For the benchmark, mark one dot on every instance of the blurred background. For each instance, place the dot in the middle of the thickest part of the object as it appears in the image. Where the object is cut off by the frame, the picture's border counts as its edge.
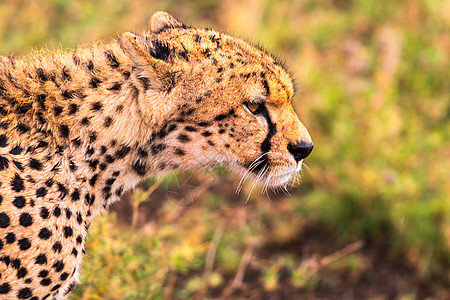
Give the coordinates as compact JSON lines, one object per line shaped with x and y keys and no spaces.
{"x":371,"y":217}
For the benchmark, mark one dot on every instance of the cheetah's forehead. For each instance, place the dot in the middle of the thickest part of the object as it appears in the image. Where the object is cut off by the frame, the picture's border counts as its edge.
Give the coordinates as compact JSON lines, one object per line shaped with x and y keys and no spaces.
{"x":226,"y":50}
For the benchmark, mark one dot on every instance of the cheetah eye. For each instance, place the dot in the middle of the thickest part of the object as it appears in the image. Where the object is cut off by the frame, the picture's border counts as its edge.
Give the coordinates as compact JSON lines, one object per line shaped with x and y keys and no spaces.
{"x":254,"y":108}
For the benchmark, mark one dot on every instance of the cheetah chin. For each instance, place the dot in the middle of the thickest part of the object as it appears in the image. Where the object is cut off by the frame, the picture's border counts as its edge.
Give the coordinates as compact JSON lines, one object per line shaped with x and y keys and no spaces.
{"x":79,"y":128}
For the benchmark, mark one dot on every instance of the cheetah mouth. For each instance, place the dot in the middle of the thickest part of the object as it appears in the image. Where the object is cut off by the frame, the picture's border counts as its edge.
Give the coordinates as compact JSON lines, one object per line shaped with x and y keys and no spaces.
{"x":270,"y":175}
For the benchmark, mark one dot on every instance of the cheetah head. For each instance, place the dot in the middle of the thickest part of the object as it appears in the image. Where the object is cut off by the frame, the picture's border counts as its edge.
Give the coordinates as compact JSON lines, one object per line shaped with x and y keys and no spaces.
{"x":219,"y":100}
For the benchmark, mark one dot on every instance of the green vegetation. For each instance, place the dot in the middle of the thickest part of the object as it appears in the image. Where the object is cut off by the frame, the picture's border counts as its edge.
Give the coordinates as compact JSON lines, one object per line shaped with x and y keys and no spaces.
{"x":371,"y":217}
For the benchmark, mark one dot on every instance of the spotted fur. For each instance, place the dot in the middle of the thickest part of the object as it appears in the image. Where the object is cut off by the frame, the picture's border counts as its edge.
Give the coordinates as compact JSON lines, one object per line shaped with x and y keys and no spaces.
{"x":78,"y":129}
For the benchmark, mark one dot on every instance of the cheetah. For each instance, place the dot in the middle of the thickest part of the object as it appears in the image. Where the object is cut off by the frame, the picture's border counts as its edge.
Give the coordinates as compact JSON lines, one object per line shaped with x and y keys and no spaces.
{"x":78,"y":128}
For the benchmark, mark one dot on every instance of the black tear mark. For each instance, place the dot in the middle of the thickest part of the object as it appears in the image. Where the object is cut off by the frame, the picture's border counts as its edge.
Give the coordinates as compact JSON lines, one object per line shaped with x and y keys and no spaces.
{"x":265,"y":145}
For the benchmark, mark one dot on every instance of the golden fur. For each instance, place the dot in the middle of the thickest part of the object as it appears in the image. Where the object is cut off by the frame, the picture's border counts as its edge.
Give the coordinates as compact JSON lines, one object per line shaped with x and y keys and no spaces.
{"x":79,"y":128}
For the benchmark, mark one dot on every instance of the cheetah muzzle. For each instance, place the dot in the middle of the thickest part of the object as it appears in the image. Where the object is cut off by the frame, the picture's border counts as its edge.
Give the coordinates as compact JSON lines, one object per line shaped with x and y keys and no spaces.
{"x":79,"y":128}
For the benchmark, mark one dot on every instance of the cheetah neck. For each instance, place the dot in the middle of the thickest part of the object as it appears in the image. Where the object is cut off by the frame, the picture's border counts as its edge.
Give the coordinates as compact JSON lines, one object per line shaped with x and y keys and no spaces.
{"x":83,"y":107}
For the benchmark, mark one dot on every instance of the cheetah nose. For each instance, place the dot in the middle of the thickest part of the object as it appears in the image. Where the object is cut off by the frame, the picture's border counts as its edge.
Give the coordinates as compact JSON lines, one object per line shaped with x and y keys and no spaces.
{"x":300,"y":150}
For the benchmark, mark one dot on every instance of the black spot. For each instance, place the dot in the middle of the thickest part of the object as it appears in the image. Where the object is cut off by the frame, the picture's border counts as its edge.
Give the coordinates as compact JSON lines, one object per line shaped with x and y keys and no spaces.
{"x":88,"y":199}
{"x":157,"y":148}
{"x":24,"y":244}
{"x":122,"y":152}
{"x":116,"y":173}
{"x":22,"y":128}
{"x":41,"y":192}
{"x":35,"y":164}
{"x":109,"y":159}
{"x":24,"y":293}
{"x":68,"y":213}
{"x":57,"y":110}
{"x":221,"y":131}
{"x":6,"y":260}
{"x":211,"y":143}
{"x":74,"y":252}
{"x":68,"y":231}
{"x":119,"y":108}
{"x":89,"y":151}
{"x":206,"y":133}
{"x":49,"y":182}
{"x":102,"y":166}
{"x":72,"y":166}
{"x":41,"y":74}
{"x":3,"y":140}
{"x":171,"y":128}
{"x":44,"y":213}
{"x":94,"y":82}
{"x":112,"y":60}
{"x":73,"y":108}
{"x":24,"y":108}
{"x":142,"y":152}
{"x":17,"y":183}
{"x":15,"y":263}
{"x":22,"y":272}
{"x":110,"y":181}
{"x":145,"y":82}
{"x":41,"y":259}
{"x":179,"y":152}
{"x":4,"y":163}
{"x":66,"y":74}
{"x":116,"y":87}
{"x":57,"y":211}
{"x":19,"y":201}
{"x":55,"y":287}
{"x":25,"y":220}
{"x":159,"y":49}
{"x":220,"y":117}
{"x":57,"y":247}
{"x":75,"y":196}
{"x":5,"y":288}
{"x":43,"y":273}
{"x":10,"y":238}
{"x":64,"y":276}
{"x":79,"y":218}
{"x":139,"y":167}
{"x":58,"y":266}
{"x":93,"y":180}
{"x":18,"y":165}
{"x":45,"y":234}
{"x":184,"y":138}
{"x":108,"y":121}
{"x":126,"y":74}
{"x":85,"y":121}
{"x":119,"y":191}
{"x":45,"y":282}
{"x":265,"y":83}
{"x":62,"y":190}
{"x":64,"y":130}
{"x":79,"y":239}
{"x":190,"y":128}
{"x":90,"y":65}
{"x":68,"y":94}
{"x":203,"y":124}
{"x":96,"y":106}
{"x":41,"y":144}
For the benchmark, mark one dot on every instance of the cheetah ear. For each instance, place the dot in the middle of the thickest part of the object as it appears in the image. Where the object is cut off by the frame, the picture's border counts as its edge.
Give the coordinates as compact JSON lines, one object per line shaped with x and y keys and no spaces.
{"x":161,"y":21}
{"x":144,"y":50}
